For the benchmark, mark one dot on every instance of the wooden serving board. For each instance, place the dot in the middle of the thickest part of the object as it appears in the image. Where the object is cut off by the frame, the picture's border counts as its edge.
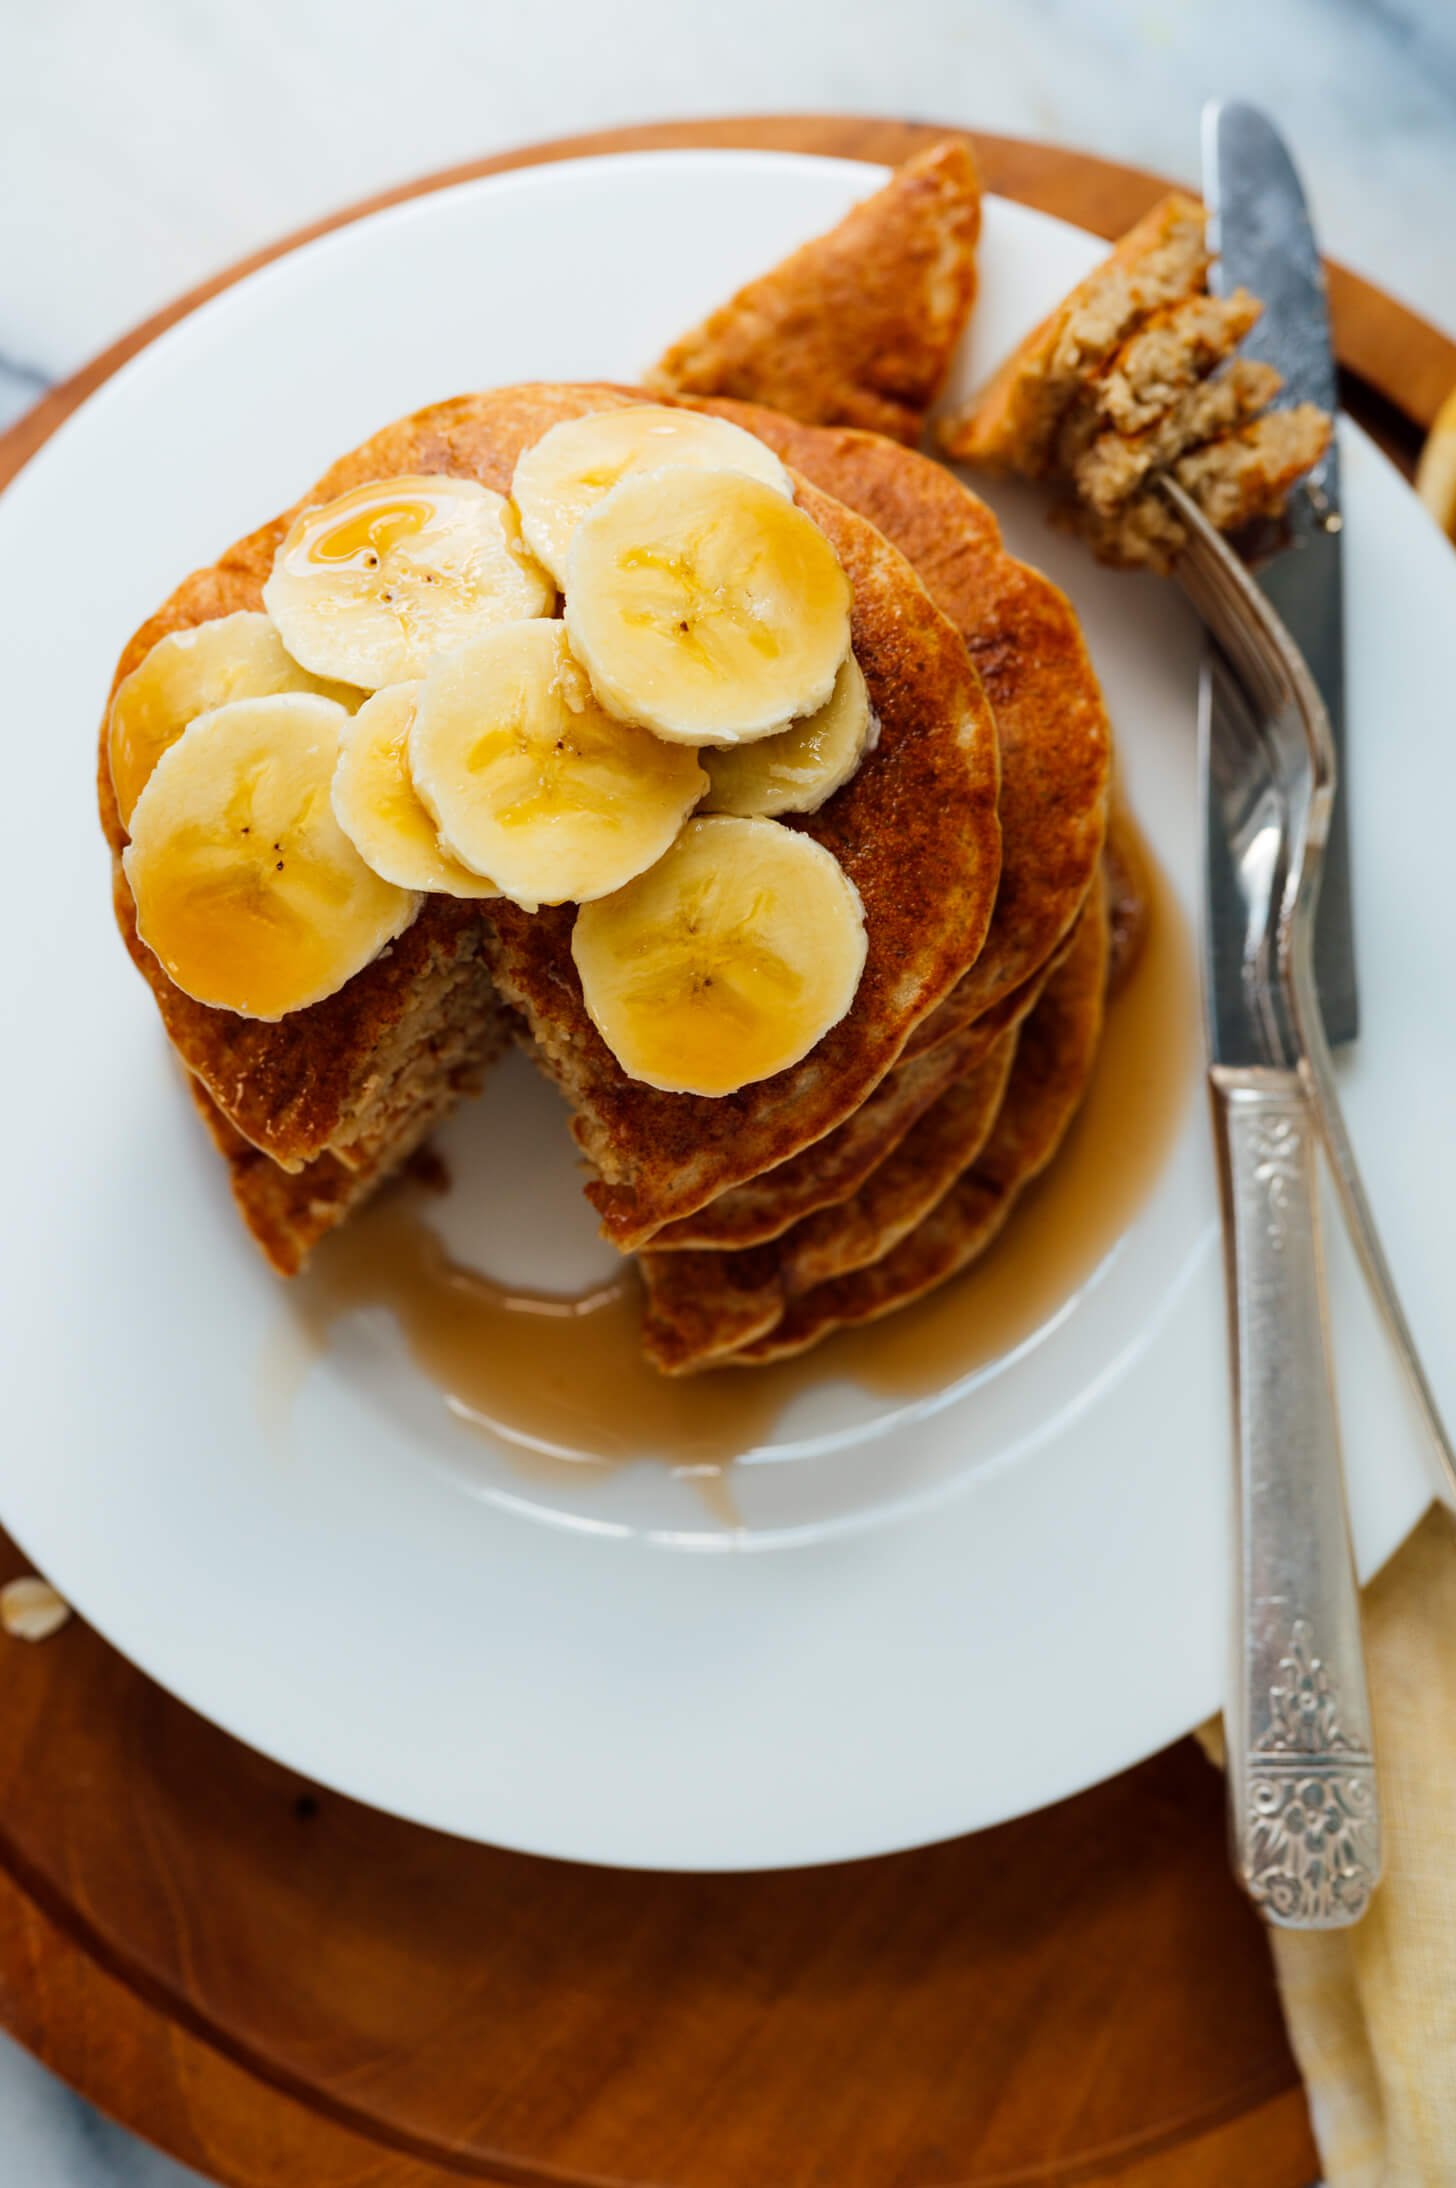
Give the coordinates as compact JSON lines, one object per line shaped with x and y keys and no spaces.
{"x":287,"y":1990}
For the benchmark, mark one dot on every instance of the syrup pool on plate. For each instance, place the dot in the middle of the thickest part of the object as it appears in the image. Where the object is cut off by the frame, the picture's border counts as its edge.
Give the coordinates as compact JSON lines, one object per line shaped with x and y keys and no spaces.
{"x":558,"y":1380}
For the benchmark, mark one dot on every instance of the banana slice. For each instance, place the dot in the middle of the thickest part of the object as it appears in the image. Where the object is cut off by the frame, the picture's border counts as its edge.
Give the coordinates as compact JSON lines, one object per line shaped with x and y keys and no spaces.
{"x":705,"y":606}
{"x":379,"y":809}
{"x":529,"y":781}
{"x":187,"y":673}
{"x":371,"y":586}
{"x":796,"y":771}
{"x":727,"y":961}
{"x":577,"y":462}
{"x":247,"y":890}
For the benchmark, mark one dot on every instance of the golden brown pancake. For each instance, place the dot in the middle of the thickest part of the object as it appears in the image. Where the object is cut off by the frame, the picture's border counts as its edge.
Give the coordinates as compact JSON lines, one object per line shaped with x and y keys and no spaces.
{"x":1055,"y":1054}
{"x":701,"y":1305}
{"x":860,"y":325}
{"x":837,"y":1165}
{"x":916,"y":829}
{"x":333,"y":1077}
{"x":1024,"y":638}
{"x":832,"y":1168}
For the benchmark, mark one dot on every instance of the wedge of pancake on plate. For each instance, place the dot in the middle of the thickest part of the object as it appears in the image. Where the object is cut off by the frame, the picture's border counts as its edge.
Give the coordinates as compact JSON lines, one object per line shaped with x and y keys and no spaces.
{"x":859,"y":326}
{"x":705,"y":741}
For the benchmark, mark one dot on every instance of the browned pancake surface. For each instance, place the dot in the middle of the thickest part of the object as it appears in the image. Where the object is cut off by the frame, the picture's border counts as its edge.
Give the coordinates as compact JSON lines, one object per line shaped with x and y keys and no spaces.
{"x":836,"y":1166}
{"x":1055,"y":1054}
{"x":699,"y":1305}
{"x":859,"y":326}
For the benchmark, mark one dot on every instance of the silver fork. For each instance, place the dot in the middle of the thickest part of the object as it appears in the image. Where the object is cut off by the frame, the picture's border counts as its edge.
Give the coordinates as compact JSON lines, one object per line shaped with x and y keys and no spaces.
{"x":1304,"y":1807}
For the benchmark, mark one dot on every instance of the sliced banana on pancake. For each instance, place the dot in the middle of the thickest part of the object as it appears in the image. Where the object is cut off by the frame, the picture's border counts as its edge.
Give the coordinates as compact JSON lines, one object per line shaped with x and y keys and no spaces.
{"x":379,"y":809}
{"x":370,"y":587}
{"x":803,"y":766}
{"x":530,"y":781}
{"x":188,"y":673}
{"x":570,"y":468}
{"x":727,"y":961}
{"x":247,"y":890}
{"x":706,"y":606}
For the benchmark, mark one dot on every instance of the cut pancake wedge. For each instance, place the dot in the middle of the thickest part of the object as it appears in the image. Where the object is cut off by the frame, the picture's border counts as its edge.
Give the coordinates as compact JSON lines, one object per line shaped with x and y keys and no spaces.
{"x":858,"y":326}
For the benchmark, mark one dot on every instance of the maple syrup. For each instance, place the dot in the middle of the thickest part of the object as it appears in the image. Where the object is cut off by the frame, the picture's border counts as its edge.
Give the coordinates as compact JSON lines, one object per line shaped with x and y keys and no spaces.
{"x":372,"y":530}
{"x":561,"y":1379}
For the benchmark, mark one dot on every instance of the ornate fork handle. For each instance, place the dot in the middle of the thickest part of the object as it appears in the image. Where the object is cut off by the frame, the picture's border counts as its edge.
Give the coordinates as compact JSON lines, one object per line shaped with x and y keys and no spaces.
{"x":1305,"y":1818}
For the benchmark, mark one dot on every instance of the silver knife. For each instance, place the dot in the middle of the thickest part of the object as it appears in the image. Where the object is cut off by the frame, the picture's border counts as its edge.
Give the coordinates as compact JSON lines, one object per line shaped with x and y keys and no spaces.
{"x":1263,"y":241}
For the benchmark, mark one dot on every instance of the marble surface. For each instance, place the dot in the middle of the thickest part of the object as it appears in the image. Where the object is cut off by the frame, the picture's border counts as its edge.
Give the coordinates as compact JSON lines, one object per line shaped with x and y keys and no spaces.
{"x":133,"y":165}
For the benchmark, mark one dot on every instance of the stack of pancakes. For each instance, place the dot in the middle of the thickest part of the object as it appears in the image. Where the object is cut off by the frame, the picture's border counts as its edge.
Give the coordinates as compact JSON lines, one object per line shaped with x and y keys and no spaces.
{"x":974,"y":830}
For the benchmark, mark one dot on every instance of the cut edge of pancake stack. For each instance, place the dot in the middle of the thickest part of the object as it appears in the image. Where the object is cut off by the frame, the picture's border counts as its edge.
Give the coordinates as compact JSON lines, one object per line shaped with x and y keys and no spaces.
{"x":971,"y":833}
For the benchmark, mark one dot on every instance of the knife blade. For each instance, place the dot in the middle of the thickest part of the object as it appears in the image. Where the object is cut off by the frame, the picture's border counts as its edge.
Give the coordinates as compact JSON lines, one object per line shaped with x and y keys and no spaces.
{"x":1263,"y":241}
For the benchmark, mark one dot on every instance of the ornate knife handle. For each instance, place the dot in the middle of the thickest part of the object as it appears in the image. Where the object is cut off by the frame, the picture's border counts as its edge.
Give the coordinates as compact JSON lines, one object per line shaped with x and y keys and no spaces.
{"x":1304,"y":1810}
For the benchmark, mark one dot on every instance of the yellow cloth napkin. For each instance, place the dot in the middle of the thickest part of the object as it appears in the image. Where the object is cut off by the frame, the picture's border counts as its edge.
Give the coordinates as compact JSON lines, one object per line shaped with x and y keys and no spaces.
{"x":1372,"y":2010}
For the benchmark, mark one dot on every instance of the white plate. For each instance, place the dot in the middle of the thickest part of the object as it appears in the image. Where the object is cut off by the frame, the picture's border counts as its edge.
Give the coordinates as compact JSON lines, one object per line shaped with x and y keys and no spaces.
{"x":936,"y":1617}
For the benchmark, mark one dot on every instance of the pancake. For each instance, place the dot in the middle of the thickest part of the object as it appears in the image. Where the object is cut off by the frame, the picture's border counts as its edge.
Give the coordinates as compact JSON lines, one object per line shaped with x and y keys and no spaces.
{"x":1055,"y":1054}
{"x":916,"y":829}
{"x":1243,"y":477}
{"x":331,"y":1078}
{"x":701,"y":1305}
{"x":287,"y":1212}
{"x":1171,"y":351}
{"x":1128,"y":378}
{"x":832,"y":1168}
{"x":1012,"y":423}
{"x":859,"y":326}
{"x":1024,"y":638}
{"x":1113,"y":466}
{"x":837,"y":1165}
{"x":339,"y":1076}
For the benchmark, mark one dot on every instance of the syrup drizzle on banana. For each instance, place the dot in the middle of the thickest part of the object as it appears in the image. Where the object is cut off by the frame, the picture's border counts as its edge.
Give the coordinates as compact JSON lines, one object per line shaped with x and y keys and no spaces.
{"x":412,"y":714}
